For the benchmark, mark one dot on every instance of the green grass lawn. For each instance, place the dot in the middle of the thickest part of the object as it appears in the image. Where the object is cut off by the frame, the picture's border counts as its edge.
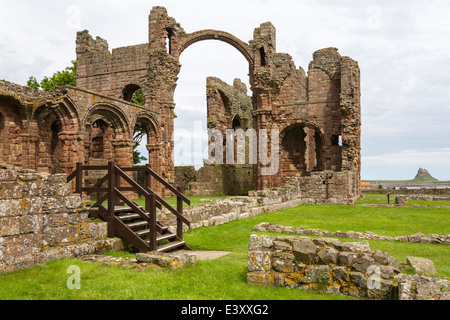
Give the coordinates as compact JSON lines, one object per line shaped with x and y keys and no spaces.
{"x":195,"y":200}
{"x":225,"y":278}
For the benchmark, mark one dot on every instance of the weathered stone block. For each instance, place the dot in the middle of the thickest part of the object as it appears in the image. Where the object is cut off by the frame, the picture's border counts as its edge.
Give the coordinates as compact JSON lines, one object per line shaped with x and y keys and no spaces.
{"x":10,"y":190}
{"x":422,"y":288}
{"x":258,"y":242}
{"x":10,"y":208}
{"x":259,"y":261}
{"x":304,"y":249}
{"x":421,"y":265}
{"x":328,"y":255}
{"x":262,"y":279}
{"x":363,"y":263}
{"x":346,"y":258}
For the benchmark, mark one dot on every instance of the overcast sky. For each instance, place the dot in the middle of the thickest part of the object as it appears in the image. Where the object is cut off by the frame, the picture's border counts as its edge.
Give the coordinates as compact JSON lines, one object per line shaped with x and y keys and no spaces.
{"x":403,"y":50}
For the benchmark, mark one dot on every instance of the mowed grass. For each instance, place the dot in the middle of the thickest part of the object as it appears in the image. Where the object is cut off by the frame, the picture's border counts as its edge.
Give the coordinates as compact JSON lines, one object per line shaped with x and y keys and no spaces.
{"x":225,"y":278}
{"x":195,"y":200}
{"x":382,"y":199}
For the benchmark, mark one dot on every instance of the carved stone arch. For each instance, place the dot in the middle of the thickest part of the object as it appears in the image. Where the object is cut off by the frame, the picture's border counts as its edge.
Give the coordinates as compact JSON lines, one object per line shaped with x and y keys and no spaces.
{"x":107,"y":135}
{"x":130,"y":89}
{"x":114,"y":115}
{"x":209,"y":34}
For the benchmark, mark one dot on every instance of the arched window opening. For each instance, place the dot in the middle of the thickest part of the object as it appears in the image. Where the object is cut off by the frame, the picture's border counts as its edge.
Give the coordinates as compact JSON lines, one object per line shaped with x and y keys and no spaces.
{"x":169,"y":40}
{"x":237,"y":124}
{"x":262,"y":56}
{"x":336,"y":140}
{"x":133,"y":93}
{"x":294,"y":150}
{"x":98,"y":134}
{"x":140,"y":135}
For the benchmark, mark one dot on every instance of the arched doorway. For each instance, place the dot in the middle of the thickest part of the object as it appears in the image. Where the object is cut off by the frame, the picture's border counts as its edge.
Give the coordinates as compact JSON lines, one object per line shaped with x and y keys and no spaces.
{"x":301,"y":150}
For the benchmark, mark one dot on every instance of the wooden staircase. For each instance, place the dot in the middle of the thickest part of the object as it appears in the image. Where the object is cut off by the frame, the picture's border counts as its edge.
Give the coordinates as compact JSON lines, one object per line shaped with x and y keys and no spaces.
{"x":126,"y":218}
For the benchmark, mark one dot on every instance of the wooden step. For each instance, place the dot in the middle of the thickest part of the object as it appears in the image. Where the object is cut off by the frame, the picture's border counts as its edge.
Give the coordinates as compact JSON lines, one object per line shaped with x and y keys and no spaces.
{"x":171,"y":246}
{"x":167,"y":236}
{"x":139,"y":224}
{"x":143,"y":233}
{"x":131,"y":216}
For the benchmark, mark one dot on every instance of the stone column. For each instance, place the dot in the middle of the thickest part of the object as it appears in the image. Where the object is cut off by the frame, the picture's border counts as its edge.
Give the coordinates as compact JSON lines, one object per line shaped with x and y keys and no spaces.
{"x":123,"y":157}
{"x":154,"y":160}
{"x":72,"y":150}
{"x":29,"y":151}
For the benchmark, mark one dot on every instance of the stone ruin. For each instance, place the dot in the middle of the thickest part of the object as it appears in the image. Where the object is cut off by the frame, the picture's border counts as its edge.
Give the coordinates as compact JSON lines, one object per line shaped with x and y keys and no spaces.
{"x":317,"y":113}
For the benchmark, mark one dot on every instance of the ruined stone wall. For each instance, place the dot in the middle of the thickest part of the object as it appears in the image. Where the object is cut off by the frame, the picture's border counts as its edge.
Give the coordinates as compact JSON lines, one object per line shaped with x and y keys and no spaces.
{"x":329,"y":265}
{"x":38,"y":212}
{"x":52,"y":131}
{"x":109,"y":73}
{"x":317,"y":113}
{"x":320,"y":188}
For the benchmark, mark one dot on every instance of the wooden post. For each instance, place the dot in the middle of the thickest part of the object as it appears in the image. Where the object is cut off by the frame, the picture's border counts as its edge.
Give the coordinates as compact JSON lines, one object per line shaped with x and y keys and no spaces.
{"x":179,"y":222}
{"x":111,"y":198}
{"x":148,"y":176}
{"x":152,"y":212}
{"x":79,"y":179}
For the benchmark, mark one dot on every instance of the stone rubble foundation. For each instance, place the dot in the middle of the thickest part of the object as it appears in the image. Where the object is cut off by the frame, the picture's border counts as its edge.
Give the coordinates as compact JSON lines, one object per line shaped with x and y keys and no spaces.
{"x":367,"y":235}
{"x":328,"y":265}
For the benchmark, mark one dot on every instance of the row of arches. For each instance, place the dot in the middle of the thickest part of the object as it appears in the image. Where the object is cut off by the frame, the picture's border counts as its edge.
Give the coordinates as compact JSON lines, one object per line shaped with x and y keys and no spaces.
{"x":53,"y":138}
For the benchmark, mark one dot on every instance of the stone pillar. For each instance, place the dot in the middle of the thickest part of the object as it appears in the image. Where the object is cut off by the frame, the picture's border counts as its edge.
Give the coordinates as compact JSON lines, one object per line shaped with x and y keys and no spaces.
{"x":30,"y":150}
{"x":123,"y":157}
{"x":310,"y":152}
{"x":72,"y":150}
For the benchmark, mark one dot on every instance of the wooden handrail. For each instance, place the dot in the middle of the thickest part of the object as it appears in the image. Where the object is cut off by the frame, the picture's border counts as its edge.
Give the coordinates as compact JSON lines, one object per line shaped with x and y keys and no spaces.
{"x":147,"y":193}
{"x":168,"y":185}
{"x":113,"y":194}
{"x":72,"y":176}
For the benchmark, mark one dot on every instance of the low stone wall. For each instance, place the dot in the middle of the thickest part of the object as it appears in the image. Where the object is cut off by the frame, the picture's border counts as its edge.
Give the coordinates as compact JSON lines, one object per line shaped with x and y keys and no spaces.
{"x":297,"y":191}
{"x":421,"y":191}
{"x":367,"y":235}
{"x":38,"y":213}
{"x":331,"y":266}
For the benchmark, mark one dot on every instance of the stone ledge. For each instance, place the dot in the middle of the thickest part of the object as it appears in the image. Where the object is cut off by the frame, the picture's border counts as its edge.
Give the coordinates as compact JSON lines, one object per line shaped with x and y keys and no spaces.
{"x":330,"y":266}
{"x":175,"y":260}
{"x":367,"y":235}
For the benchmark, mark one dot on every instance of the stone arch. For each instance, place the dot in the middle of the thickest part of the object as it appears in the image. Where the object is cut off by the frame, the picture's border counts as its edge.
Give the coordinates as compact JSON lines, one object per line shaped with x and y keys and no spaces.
{"x":129,"y":90}
{"x":106,"y":131}
{"x":209,"y":34}
{"x":58,"y":131}
{"x":112,"y":115}
{"x":236,"y":122}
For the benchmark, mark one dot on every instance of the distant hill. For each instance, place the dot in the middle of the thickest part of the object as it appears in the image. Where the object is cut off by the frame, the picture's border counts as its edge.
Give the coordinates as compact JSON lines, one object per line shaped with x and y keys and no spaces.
{"x":424,"y":176}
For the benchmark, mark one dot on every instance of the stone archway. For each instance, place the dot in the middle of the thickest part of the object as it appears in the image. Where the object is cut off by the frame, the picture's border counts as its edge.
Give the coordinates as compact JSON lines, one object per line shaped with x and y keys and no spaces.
{"x":226,"y":37}
{"x":301,"y":149}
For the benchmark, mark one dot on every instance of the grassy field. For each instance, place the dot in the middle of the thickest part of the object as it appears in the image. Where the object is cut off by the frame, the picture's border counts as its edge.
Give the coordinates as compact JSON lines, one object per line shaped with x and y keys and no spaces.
{"x":382,"y":199}
{"x":225,"y":278}
{"x":195,"y":200}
